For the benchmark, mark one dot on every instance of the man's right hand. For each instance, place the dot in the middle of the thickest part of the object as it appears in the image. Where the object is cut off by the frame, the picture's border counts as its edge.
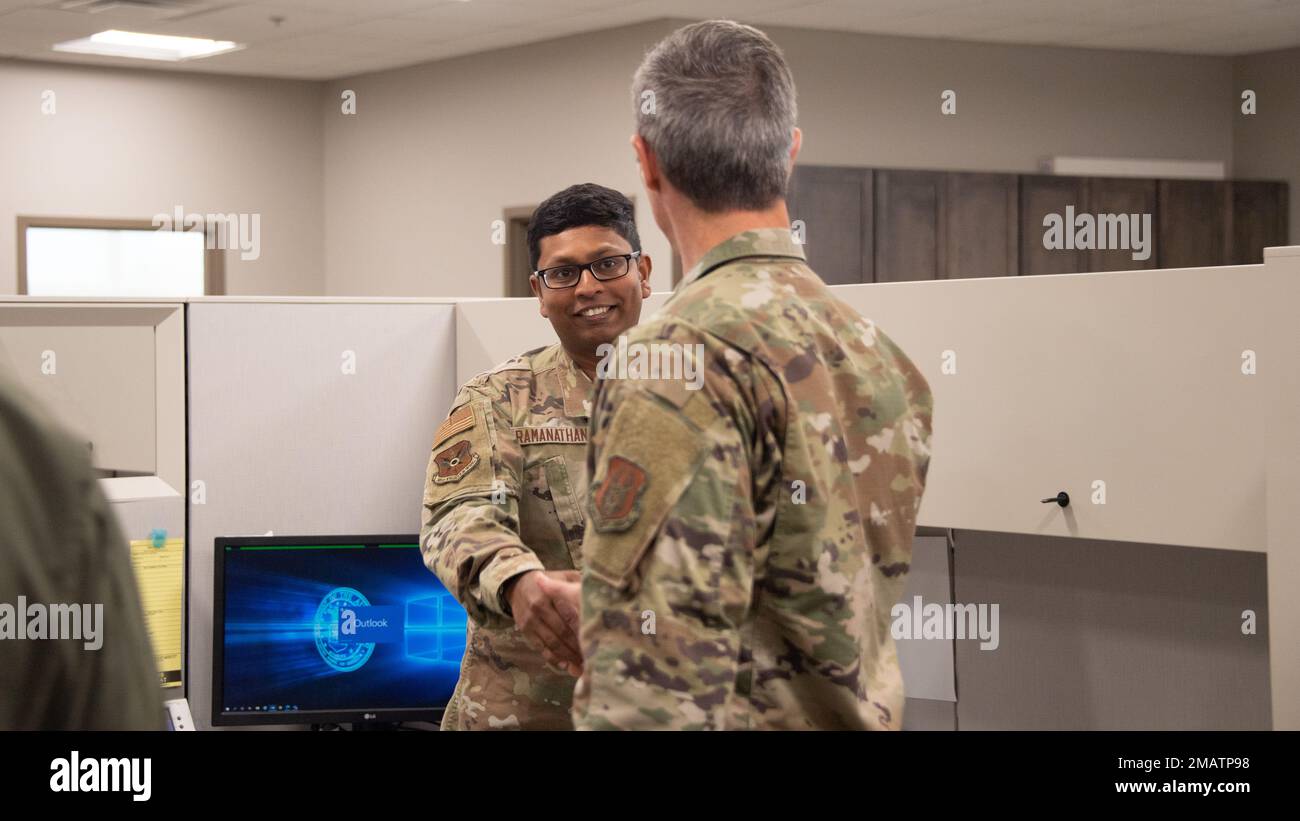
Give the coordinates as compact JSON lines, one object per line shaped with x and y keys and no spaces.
{"x":545,"y":604}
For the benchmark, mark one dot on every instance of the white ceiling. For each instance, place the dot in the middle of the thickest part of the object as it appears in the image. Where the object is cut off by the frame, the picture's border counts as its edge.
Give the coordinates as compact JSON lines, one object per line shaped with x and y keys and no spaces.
{"x":326,"y":39}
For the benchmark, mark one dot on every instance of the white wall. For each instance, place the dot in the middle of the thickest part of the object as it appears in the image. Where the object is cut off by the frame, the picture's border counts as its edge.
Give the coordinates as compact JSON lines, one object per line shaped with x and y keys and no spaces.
{"x":434,"y":153}
{"x":874,"y":100}
{"x":132,"y":143}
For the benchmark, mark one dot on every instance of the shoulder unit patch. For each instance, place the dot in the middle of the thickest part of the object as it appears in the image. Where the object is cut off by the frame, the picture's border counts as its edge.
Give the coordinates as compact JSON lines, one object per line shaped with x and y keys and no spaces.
{"x":616,"y":501}
{"x":454,"y":462}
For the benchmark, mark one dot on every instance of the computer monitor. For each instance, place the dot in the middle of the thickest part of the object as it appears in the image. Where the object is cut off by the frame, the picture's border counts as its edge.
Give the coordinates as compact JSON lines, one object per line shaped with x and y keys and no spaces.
{"x":331,"y":629}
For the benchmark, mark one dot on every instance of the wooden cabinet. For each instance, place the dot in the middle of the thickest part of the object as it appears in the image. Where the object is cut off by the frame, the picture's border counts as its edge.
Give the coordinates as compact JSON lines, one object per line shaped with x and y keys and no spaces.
{"x":899,"y":225}
{"x":981,"y":225}
{"x":1194,"y":226}
{"x":945,"y":225}
{"x":834,"y":206}
{"x":1259,"y":219}
{"x":909,"y":213}
{"x":1041,"y":195}
{"x":1125,"y":214}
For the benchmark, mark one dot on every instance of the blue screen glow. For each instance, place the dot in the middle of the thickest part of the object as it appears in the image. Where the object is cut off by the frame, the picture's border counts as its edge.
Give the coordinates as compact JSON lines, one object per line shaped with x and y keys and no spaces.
{"x":338,"y":628}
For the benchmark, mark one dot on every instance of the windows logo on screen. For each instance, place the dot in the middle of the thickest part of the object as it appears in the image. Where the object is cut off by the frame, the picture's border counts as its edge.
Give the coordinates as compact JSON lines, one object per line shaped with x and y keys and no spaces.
{"x":347,"y":627}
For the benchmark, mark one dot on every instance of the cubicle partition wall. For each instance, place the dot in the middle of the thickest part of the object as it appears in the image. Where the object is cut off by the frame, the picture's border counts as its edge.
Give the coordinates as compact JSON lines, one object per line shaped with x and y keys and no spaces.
{"x":1164,"y":404}
{"x":112,"y":372}
{"x":306,"y":417}
{"x":1282,"y":420}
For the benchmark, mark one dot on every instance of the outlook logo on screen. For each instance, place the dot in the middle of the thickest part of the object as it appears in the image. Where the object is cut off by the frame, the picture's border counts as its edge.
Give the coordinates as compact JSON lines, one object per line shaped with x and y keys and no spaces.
{"x":346,"y":628}
{"x":372,"y":624}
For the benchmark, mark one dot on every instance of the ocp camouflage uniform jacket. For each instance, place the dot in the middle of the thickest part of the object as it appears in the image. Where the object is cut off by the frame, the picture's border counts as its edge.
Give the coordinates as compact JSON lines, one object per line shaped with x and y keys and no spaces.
{"x":746,"y":540}
{"x":503,"y":496}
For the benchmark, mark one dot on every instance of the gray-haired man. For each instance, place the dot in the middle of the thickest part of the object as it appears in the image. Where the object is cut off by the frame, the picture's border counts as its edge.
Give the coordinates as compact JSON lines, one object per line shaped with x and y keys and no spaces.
{"x":745,"y":540}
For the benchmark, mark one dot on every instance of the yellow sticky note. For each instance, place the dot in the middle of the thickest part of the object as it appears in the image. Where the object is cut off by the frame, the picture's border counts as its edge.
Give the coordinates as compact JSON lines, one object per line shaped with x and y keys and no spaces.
{"x":160,"y":575}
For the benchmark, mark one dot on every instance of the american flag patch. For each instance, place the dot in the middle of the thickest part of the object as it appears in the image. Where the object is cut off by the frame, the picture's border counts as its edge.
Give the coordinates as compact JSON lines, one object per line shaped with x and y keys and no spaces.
{"x":462,"y":419}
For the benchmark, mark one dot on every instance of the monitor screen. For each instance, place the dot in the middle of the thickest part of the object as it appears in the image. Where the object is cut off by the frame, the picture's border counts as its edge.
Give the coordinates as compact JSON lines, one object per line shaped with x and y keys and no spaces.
{"x":328,"y":629}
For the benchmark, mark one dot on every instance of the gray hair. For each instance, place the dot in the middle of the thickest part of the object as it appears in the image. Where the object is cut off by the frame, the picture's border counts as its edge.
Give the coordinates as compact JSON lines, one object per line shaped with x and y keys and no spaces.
{"x":715,"y":101}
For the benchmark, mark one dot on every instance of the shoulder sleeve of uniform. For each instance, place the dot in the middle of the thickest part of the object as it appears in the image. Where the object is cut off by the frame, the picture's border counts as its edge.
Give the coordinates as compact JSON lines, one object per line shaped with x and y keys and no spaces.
{"x":110,"y":681}
{"x":473,"y":447}
{"x":123,"y":693}
{"x":653,"y":454}
{"x":469,"y":530}
{"x":487,"y":388}
{"x":668,"y":549}
{"x":478,"y":387}
{"x":650,"y":438}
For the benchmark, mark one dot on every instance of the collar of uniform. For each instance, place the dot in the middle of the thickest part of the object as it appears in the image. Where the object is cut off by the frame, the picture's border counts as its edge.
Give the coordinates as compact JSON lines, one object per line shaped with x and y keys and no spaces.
{"x":758,"y":242}
{"x":576,"y":386}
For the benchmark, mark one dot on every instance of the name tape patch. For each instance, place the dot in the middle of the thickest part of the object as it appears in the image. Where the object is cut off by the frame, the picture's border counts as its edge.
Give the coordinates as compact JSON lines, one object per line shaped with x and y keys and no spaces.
{"x":551,"y":435}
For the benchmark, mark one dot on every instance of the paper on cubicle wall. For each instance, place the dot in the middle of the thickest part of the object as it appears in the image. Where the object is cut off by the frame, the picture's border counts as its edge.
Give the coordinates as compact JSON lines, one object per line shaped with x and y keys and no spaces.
{"x":159,"y":575}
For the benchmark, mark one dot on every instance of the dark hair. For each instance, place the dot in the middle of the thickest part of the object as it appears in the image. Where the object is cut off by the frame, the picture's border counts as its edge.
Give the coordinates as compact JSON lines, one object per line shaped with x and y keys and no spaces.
{"x":579,"y":205}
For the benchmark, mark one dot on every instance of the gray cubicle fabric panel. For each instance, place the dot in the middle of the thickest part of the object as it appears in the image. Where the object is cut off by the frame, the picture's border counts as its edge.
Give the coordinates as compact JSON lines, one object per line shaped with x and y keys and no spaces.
{"x":926,"y":662}
{"x":1111,"y":635}
{"x":1132,"y":379}
{"x":97,"y":380}
{"x":929,"y":714}
{"x":285,"y":440}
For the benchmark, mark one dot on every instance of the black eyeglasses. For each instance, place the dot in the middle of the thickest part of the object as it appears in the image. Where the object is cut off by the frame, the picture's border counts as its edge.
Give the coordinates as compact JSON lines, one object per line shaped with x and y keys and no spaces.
{"x":603,"y":269}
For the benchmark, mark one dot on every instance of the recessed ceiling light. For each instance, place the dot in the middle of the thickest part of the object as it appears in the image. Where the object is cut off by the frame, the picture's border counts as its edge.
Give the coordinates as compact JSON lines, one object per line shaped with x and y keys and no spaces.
{"x":114,"y":43}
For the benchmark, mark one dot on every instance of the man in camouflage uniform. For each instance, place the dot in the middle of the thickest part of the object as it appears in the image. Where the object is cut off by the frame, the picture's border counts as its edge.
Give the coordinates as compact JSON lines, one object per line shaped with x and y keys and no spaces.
{"x":503,"y":517}
{"x":748,"y":533}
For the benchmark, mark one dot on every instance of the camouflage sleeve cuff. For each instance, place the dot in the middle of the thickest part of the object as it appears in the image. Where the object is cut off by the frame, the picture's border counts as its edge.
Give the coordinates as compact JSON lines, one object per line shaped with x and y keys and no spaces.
{"x":504,"y":566}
